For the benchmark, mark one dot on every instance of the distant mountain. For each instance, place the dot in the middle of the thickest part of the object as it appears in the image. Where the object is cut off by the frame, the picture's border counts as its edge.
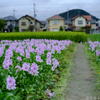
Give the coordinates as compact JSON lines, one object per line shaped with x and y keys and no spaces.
{"x":74,"y":12}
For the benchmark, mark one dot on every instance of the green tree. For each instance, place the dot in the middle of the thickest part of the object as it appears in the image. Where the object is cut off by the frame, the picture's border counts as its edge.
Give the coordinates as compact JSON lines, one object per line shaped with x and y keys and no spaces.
{"x":61,"y":28}
{"x":2,"y":24}
{"x":17,"y":29}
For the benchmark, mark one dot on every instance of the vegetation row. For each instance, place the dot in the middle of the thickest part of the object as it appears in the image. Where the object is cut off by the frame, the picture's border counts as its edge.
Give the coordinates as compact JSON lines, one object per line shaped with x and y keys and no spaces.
{"x":73,"y":36}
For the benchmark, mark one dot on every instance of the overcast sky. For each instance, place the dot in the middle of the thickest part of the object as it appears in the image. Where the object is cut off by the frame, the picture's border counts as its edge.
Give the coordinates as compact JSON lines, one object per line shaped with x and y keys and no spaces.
{"x":47,"y":8}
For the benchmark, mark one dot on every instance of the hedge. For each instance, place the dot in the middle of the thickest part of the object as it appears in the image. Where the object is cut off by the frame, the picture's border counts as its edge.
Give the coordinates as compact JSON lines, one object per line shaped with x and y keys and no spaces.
{"x":73,"y":36}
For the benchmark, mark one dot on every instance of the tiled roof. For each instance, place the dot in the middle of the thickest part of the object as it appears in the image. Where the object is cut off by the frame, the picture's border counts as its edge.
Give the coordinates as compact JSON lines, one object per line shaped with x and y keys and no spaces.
{"x":43,"y":22}
{"x":55,"y":17}
{"x":87,"y":17}
{"x":27,"y":17}
{"x":9,"y":18}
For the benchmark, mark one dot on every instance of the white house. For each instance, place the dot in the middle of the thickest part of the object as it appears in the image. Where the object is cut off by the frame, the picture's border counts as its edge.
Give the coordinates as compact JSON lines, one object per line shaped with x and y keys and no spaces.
{"x":10,"y":23}
{"x":81,"y":21}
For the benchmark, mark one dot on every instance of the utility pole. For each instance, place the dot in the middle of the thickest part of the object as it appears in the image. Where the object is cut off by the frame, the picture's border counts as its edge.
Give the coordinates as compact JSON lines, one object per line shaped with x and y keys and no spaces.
{"x":67,"y":16}
{"x":67,"y":13}
{"x":14,"y":12}
{"x":34,"y":15}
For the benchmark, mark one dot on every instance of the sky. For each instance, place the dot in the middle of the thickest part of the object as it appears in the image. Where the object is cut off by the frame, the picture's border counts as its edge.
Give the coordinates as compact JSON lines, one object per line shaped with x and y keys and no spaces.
{"x":44,"y":9}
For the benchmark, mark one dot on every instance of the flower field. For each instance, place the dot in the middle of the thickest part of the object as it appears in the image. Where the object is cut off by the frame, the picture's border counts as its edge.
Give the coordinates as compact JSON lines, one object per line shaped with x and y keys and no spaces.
{"x":28,"y":67}
{"x":93,"y":52}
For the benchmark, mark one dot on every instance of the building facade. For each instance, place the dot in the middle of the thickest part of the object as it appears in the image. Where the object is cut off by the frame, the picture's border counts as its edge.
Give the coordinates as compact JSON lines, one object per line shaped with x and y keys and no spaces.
{"x":27,"y":23}
{"x":54,"y":23}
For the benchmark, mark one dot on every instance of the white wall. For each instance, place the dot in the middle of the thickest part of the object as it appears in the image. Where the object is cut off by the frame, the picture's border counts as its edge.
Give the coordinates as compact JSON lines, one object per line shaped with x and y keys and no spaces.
{"x":79,"y":19}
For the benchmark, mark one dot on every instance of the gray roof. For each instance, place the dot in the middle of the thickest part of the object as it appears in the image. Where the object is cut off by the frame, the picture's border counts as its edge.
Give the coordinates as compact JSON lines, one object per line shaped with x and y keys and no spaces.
{"x":43,"y":22}
{"x":9,"y":18}
{"x":93,"y":21}
{"x":67,"y":22}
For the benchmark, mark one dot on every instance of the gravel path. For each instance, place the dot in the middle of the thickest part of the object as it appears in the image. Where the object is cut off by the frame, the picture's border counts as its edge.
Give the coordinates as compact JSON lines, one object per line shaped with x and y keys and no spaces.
{"x":81,"y":86}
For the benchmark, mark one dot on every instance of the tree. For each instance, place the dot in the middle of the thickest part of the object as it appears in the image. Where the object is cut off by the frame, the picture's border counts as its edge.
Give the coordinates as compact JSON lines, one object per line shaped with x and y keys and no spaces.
{"x":17,"y":29}
{"x":61,"y":28}
{"x":2,"y":24}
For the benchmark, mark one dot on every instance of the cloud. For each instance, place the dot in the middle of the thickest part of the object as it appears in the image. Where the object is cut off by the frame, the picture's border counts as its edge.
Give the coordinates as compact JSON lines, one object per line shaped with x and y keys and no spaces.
{"x":47,"y":8}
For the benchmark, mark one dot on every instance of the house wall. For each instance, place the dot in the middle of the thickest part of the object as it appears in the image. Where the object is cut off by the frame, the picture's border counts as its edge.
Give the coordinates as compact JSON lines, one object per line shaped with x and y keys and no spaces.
{"x":78,"y":26}
{"x":23,"y":26}
{"x":80,"y":18}
{"x":28,"y":23}
{"x":10,"y":22}
{"x":93,"y":26}
{"x":51,"y":26}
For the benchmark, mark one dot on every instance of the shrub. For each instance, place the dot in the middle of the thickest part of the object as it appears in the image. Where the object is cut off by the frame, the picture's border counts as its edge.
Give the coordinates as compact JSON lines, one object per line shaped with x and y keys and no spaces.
{"x":44,"y":29}
{"x":61,"y":28}
{"x":73,"y":36}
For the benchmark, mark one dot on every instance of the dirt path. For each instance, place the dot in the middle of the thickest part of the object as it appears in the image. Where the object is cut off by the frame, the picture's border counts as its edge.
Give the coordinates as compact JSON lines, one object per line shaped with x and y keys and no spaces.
{"x":81,"y":86}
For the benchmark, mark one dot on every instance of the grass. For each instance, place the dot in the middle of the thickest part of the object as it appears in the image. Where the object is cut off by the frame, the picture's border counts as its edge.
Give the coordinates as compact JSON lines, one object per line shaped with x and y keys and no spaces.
{"x":73,"y":36}
{"x":94,"y":37}
{"x":66,"y":62}
{"x":96,"y":68}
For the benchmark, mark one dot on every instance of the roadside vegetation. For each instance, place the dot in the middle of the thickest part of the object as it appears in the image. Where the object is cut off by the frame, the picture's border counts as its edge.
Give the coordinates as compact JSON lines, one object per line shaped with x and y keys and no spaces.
{"x":29,"y":69}
{"x":93,"y":52}
{"x":73,"y":36}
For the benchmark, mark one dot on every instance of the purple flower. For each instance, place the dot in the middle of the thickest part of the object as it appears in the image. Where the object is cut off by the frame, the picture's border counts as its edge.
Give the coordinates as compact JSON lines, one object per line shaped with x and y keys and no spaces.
{"x":49,"y":55}
{"x":19,"y":68}
{"x":25,"y":66}
{"x":53,"y":68}
{"x":34,"y":69}
{"x":11,"y":83}
{"x":48,"y":61}
{"x":19,"y":58}
{"x":51,"y":94}
{"x":38,"y":58}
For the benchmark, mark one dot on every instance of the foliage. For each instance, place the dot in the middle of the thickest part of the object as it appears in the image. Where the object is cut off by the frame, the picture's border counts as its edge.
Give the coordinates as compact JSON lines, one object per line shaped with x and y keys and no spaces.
{"x":73,"y":36}
{"x":27,"y":30}
{"x":94,"y":37}
{"x":44,"y":29}
{"x":80,"y":30}
{"x":93,"y":52}
{"x":2,"y":24}
{"x":74,"y":12}
{"x":61,"y":28}
{"x":17,"y":29}
{"x":29,"y":68}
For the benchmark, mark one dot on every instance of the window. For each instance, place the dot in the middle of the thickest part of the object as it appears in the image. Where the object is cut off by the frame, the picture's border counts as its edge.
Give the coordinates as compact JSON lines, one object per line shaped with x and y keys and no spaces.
{"x":23,"y":30}
{"x":54,"y":21}
{"x":87,"y":22}
{"x":80,"y":22}
{"x":24,"y":23}
{"x":6,"y":22}
{"x":35,"y":23}
{"x":31,"y":22}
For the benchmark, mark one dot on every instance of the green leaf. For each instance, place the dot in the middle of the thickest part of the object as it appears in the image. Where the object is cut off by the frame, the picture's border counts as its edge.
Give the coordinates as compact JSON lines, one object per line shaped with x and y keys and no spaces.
{"x":9,"y":96}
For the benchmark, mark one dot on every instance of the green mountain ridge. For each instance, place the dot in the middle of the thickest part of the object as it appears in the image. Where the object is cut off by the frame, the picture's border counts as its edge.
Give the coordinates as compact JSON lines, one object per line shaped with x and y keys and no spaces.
{"x":74,"y":12}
